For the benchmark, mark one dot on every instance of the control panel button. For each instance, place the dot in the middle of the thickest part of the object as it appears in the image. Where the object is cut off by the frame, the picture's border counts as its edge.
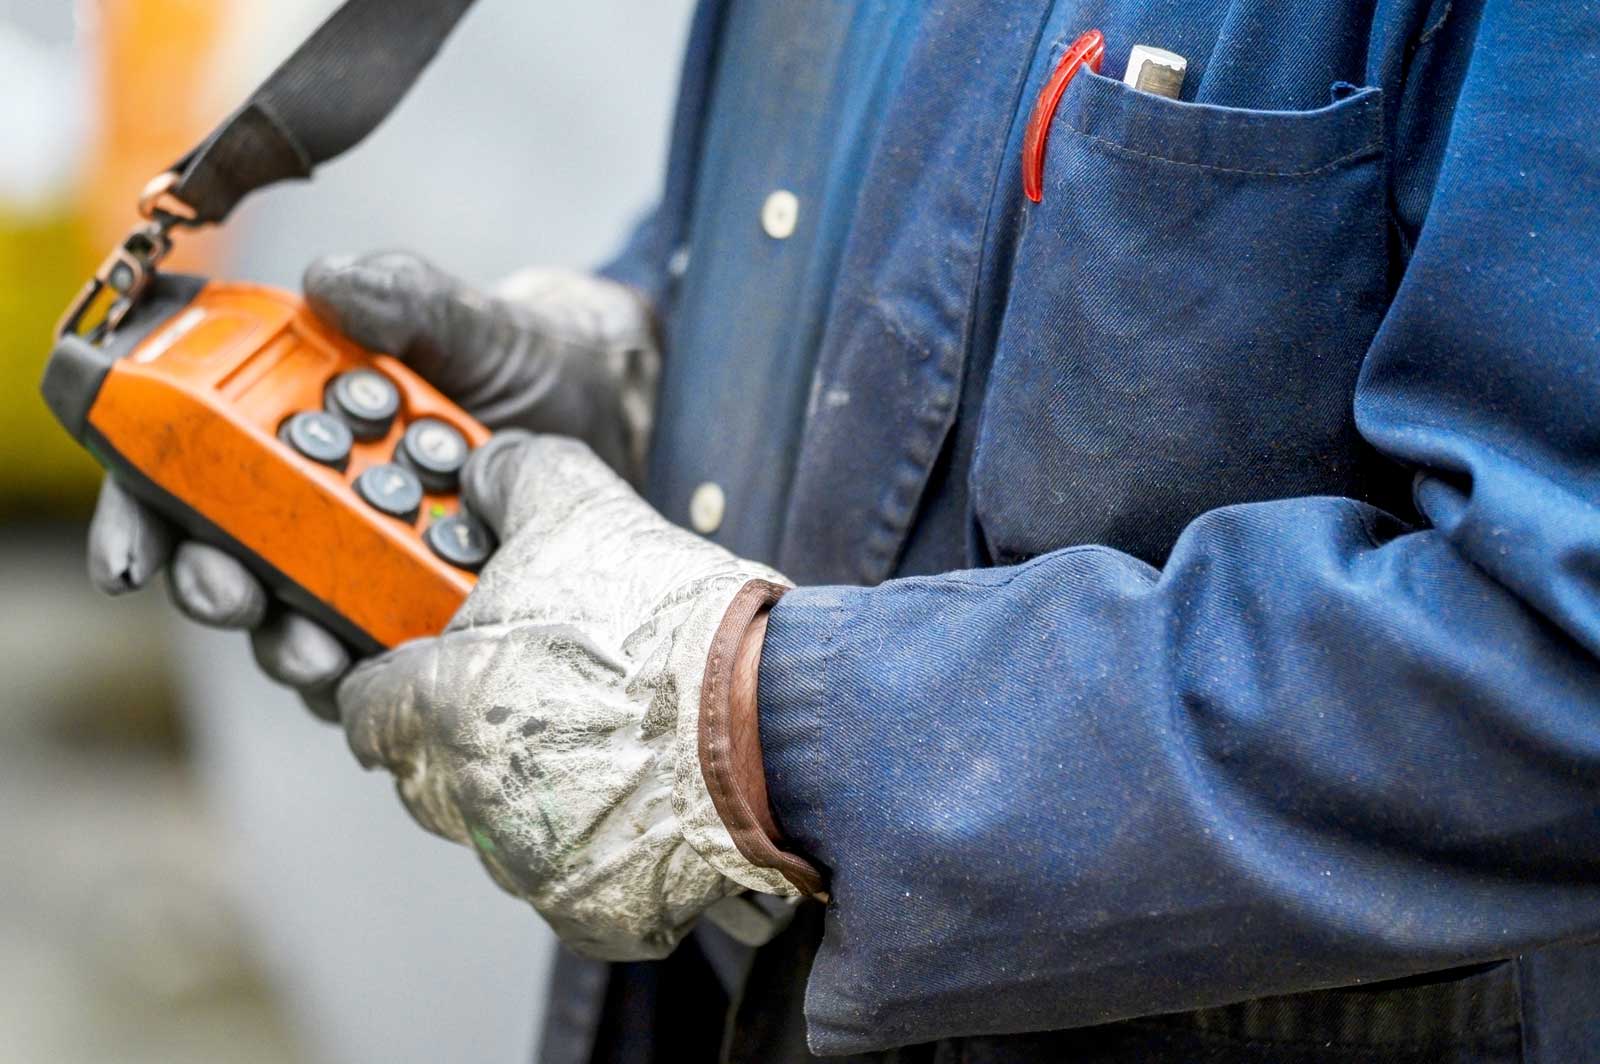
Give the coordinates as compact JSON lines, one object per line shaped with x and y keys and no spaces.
{"x":434,"y":451}
{"x":460,"y":539}
{"x":320,"y":437}
{"x":365,"y":400}
{"x":391,"y":489}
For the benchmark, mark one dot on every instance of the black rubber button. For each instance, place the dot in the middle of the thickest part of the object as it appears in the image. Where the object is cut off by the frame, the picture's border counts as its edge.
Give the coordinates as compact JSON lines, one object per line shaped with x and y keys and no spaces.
{"x":320,"y":437}
{"x":435,"y":452}
{"x":460,"y":539}
{"x":366,"y":400}
{"x":392,"y":489}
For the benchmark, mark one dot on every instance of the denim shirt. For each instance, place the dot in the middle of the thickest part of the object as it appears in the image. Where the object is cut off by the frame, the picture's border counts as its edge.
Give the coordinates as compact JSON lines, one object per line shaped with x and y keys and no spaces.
{"x":1200,"y":568}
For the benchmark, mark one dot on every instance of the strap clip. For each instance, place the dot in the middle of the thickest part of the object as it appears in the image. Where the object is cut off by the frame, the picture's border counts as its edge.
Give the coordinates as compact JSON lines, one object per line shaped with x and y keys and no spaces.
{"x":119,"y":282}
{"x":122,"y":278}
{"x":157,"y":201}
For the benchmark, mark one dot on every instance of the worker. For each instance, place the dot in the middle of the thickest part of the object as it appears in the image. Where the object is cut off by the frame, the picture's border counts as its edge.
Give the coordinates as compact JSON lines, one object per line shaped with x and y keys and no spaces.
{"x":1131,"y":594}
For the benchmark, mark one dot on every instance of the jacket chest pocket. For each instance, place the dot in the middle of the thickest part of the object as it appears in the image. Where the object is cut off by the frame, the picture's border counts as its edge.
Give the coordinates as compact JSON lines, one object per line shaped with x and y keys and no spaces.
{"x":1187,"y":315}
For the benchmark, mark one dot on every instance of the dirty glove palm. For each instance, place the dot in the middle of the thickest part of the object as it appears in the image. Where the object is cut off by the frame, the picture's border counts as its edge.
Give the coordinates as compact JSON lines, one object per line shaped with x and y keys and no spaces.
{"x":551,"y":351}
{"x":554,"y":725}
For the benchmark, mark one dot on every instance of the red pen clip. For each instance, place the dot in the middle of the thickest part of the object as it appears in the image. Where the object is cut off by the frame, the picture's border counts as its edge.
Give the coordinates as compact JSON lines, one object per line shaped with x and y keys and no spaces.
{"x":1089,"y":48}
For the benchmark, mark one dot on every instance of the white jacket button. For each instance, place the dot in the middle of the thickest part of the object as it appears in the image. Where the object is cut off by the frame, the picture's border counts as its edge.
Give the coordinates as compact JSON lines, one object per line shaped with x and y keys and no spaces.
{"x":779,"y":214}
{"x":706,"y":506}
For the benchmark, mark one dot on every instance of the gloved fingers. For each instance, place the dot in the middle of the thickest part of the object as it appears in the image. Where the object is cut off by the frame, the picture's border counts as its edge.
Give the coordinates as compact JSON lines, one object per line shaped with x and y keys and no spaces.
{"x":378,"y":706}
{"x":559,"y":353}
{"x":382,"y":301}
{"x":489,"y":479}
{"x":321,"y":703}
{"x":298,"y":652}
{"x":213,"y":587}
{"x":518,"y":477}
{"x":128,"y":542}
{"x":398,"y":303}
{"x":427,"y":797}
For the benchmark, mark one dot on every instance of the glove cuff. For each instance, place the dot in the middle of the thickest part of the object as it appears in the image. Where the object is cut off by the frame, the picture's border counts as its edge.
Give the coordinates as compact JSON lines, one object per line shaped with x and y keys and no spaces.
{"x":714,"y":813}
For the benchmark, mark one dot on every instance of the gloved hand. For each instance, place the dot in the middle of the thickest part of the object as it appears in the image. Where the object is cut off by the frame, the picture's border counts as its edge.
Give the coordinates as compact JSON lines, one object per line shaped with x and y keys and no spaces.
{"x":552,"y":351}
{"x":554,"y":726}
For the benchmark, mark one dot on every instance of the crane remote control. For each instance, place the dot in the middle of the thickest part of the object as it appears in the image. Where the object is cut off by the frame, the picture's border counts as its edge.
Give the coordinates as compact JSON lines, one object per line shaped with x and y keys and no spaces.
{"x":331,"y":472}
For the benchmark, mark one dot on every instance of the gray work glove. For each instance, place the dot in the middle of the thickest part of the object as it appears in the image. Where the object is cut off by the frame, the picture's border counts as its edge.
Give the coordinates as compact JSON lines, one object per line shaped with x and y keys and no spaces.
{"x":554,"y":726}
{"x":551,"y":351}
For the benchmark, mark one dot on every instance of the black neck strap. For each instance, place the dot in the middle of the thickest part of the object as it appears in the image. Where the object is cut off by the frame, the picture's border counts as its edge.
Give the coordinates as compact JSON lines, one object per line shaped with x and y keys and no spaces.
{"x":323,"y":100}
{"x":334,"y":90}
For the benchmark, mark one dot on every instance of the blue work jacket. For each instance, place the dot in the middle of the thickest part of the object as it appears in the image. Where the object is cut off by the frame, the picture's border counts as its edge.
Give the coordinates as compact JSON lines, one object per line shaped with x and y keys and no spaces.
{"x":1199,"y":568}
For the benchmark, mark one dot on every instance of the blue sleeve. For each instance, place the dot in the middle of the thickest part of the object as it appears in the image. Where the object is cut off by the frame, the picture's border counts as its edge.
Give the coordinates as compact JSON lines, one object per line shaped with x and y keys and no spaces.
{"x":1320,"y":746}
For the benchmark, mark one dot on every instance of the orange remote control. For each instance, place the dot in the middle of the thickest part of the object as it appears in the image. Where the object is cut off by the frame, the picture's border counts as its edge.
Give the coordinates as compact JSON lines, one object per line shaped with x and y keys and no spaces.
{"x":332,"y":472}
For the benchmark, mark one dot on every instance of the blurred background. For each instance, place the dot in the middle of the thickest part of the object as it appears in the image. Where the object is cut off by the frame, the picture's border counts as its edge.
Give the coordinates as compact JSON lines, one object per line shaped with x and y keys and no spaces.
{"x":191,"y":868}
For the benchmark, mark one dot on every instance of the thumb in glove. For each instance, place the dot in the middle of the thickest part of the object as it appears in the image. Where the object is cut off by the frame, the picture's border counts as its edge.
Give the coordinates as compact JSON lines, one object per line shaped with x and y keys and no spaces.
{"x":554,"y":352}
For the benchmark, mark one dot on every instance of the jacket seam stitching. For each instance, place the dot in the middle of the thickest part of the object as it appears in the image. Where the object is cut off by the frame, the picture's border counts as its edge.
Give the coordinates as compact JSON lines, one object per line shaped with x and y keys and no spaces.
{"x":1432,"y":31}
{"x":1018,"y":569}
{"x":1470,"y":1039}
{"x":986,"y":252}
{"x":1368,"y":148}
{"x":1517,"y":964}
{"x":830,"y":648}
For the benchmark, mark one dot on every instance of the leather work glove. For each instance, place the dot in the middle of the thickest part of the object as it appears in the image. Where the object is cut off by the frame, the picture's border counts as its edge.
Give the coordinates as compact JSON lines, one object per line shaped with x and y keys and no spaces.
{"x":554,"y":726}
{"x":551,"y":351}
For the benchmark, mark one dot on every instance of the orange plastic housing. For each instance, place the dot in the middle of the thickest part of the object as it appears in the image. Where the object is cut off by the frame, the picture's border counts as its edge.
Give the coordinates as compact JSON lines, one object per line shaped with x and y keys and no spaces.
{"x":195,"y":407}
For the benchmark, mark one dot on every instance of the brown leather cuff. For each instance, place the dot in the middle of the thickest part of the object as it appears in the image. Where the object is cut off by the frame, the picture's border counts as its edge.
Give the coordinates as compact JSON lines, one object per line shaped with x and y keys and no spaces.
{"x":730,"y":747}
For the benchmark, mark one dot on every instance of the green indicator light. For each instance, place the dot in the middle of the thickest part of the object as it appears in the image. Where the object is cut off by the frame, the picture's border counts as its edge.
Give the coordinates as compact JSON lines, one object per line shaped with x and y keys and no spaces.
{"x":436,"y":510}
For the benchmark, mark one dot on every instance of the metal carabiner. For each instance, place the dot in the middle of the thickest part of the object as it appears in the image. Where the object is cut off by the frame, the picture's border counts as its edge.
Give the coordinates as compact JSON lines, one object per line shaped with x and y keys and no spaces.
{"x":131,"y":266}
{"x":125,"y":274}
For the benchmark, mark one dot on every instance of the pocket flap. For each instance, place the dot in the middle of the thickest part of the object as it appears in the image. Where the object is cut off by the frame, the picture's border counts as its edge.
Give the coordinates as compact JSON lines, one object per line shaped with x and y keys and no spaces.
{"x":1268,"y":143}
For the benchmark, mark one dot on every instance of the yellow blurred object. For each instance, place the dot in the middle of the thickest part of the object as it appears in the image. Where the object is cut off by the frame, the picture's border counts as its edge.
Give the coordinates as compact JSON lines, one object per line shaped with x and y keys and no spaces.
{"x":154,"y":94}
{"x":42,"y":261}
